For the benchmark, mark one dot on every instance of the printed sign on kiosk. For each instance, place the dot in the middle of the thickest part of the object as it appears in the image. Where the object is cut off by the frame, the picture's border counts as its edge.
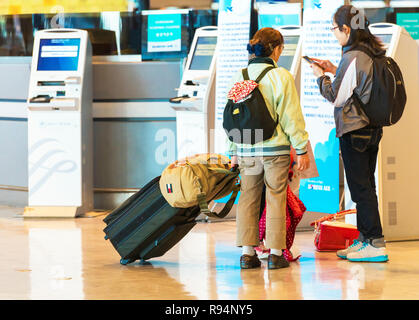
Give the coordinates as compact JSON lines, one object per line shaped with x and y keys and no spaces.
{"x":60,"y":133}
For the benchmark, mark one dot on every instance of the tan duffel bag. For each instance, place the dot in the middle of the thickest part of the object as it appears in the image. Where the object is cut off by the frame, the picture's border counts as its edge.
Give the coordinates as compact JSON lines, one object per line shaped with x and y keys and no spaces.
{"x":199,"y":180}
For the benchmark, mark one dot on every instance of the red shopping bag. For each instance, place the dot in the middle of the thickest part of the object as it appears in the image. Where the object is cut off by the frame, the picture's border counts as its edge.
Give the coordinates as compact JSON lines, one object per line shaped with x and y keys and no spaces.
{"x":333,"y":235}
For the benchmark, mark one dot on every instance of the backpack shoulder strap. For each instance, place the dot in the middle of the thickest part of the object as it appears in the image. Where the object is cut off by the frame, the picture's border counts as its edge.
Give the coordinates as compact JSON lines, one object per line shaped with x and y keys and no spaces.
{"x":366,"y":51}
{"x":245,"y":74}
{"x":264,"y":72}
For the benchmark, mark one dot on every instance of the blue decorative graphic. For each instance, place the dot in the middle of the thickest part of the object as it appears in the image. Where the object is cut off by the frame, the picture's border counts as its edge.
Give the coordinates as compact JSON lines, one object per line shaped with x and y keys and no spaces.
{"x":313,"y":4}
{"x":226,"y":5}
{"x":55,"y":167}
{"x":235,"y":7}
{"x":321,"y":194}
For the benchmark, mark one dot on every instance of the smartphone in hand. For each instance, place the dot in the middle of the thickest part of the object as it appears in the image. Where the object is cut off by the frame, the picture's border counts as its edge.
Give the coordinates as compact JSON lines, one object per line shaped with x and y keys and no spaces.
{"x":311,"y":61}
{"x":308,"y":59}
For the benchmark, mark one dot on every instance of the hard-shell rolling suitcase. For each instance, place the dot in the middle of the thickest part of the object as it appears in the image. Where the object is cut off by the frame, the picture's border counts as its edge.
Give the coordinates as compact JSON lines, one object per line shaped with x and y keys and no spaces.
{"x":145,"y":226}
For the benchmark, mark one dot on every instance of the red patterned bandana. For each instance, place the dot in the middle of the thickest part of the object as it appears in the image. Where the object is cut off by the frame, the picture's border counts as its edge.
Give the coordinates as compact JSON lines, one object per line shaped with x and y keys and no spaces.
{"x":241,"y":90}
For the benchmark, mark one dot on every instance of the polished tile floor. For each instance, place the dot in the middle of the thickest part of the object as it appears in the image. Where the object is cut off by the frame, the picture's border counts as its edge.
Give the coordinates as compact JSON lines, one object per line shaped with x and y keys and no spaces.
{"x":69,"y":259}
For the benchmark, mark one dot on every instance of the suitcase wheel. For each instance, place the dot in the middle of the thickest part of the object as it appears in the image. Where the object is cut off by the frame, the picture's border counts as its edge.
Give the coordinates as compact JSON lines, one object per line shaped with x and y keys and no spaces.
{"x":144,"y":262}
{"x":126,"y":261}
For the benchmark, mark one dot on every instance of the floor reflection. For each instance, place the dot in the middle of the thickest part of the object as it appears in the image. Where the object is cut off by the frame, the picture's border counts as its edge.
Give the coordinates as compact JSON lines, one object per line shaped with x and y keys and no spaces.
{"x":228,"y":278}
{"x":14,"y":265}
{"x":55,"y":259}
{"x":157,"y":280}
{"x":324,"y":276}
{"x":69,"y":259}
{"x":364,"y":279}
{"x":193,"y":276}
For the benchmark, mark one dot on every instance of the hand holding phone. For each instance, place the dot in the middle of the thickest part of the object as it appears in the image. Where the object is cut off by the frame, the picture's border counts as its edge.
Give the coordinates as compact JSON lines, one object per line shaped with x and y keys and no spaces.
{"x":326,"y":65}
{"x":313,"y":61}
{"x":317,"y":68}
{"x":308,"y":59}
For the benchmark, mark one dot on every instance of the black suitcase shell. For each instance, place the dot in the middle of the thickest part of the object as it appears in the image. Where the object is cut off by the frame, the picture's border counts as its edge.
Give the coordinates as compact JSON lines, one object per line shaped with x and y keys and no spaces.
{"x":145,"y":226}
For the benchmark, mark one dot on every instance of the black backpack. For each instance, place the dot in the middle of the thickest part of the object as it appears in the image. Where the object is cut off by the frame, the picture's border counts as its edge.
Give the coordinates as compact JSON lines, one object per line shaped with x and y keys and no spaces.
{"x":388,"y":94}
{"x":249,"y":121}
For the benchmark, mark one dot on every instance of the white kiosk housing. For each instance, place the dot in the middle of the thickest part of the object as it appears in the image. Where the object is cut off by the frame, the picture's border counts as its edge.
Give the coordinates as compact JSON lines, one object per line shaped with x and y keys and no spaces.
{"x":290,"y":58}
{"x":398,"y":153}
{"x":195,"y":104}
{"x":60,"y":132}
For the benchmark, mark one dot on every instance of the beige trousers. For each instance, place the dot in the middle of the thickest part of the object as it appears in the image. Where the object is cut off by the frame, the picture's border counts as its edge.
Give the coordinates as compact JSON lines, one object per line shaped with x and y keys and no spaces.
{"x":254,"y":172}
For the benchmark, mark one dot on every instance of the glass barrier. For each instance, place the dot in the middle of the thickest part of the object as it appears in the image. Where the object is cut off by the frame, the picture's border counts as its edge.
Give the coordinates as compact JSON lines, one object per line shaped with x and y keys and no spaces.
{"x":376,"y":15}
{"x":16,"y":35}
{"x":111,"y":33}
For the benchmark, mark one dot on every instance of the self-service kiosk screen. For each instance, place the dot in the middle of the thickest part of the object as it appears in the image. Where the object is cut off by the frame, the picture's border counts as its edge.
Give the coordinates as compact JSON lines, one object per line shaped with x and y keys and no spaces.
{"x":59,"y":54}
{"x":204,"y":51}
{"x":385,"y":38}
{"x":290,"y":48}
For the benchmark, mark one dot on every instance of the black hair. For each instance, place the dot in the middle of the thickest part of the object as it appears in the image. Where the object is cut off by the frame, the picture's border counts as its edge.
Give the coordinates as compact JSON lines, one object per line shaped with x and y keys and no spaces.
{"x":358,"y":23}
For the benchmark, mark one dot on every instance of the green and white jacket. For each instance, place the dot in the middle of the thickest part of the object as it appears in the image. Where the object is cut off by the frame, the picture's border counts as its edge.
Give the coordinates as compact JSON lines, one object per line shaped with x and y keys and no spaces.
{"x":278,"y":89}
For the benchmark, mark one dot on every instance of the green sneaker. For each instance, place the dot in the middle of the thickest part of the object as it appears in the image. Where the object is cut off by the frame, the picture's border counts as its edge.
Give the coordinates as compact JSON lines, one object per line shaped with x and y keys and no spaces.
{"x":354,"y":247}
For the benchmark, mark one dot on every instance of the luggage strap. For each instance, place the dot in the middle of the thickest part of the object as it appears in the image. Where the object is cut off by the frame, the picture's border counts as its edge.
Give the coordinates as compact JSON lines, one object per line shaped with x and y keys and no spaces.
{"x":202,"y":197}
{"x":262,"y":74}
{"x":203,"y":205}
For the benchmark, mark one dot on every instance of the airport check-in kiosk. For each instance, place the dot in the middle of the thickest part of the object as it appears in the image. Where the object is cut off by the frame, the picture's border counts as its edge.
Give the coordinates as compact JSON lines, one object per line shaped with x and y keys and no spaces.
{"x":60,"y":133}
{"x":290,"y":58}
{"x":195,"y":104}
{"x":397,"y":174}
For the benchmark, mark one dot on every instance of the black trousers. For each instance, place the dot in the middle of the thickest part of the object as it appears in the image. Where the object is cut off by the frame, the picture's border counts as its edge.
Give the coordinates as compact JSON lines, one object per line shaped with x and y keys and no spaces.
{"x":359,"y":153}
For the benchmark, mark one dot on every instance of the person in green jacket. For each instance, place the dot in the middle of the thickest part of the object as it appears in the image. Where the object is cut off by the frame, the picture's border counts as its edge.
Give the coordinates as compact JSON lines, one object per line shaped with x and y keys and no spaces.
{"x":267,"y":162}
